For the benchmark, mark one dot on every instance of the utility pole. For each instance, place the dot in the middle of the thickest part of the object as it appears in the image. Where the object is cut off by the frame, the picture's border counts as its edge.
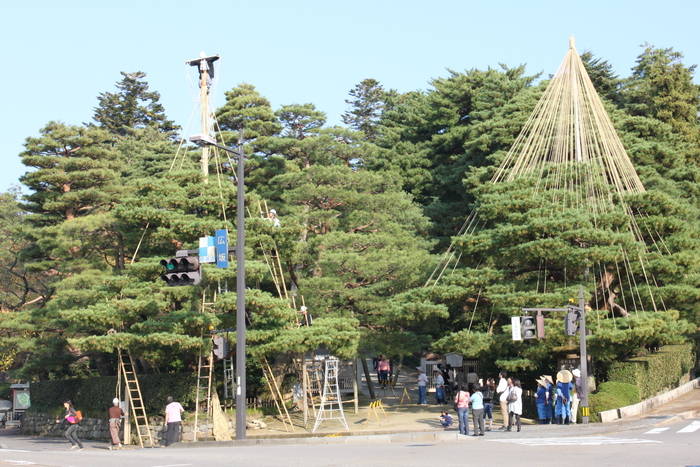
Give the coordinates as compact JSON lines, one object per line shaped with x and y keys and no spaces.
{"x":206,"y":74}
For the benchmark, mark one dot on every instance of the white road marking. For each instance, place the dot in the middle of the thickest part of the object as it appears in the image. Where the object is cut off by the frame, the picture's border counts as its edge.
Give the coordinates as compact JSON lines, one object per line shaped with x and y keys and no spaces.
{"x":690,"y":428}
{"x":656,"y":431}
{"x":576,"y":441}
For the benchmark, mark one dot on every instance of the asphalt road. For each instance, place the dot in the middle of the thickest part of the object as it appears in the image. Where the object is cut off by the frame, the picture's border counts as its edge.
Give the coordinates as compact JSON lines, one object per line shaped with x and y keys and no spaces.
{"x":644,"y":442}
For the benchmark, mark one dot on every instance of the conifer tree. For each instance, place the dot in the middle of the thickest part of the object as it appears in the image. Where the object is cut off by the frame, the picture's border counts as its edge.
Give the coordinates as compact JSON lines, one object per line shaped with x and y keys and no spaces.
{"x":132,"y":106}
{"x":662,"y":87}
{"x":367,"y":107}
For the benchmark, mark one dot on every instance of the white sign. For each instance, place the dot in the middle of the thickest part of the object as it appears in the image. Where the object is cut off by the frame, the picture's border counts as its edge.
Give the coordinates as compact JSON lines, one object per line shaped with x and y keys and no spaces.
{"x":515,"y":326}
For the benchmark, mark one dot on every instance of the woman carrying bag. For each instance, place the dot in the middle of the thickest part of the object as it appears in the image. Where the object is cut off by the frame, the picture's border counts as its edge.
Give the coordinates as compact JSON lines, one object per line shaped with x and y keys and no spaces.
{"x":462,"y":408}
{"x":515,"y":403}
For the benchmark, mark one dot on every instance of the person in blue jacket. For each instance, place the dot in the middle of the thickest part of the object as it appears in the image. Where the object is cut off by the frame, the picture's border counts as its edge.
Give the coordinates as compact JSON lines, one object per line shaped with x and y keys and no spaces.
{"x":562,"y":409}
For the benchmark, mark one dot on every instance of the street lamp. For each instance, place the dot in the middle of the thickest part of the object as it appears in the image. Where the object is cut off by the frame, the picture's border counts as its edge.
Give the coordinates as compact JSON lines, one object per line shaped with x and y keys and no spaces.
{"x":206,"y":140}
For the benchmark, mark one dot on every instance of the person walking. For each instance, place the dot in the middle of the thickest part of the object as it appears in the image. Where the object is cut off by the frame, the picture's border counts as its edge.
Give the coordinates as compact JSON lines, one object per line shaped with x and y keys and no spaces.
{"x":173,"y":418}
{"x":489,"y":390}
{"x":477,"y":400}
{"x":462,"y":405}
{"x":115,"y":422}
{"x":422,"y":386}
{"x":515,"y":403}
{"x":70,"y":417}
{"x":576,"y":395}
{"x":502,"y":392}
{"x":383,"y":369}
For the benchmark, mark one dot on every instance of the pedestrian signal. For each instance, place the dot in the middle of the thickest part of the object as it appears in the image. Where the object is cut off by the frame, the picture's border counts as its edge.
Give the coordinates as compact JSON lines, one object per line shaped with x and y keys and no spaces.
{"x":220,"y":347}
{"x":528,"y":327}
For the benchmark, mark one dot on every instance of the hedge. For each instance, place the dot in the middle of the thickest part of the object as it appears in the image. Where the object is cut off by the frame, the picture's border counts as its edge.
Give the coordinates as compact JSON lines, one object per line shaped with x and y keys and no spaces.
{"x":93,"y":396}
{"x":612,"y":395}
{"x":655,"y":373}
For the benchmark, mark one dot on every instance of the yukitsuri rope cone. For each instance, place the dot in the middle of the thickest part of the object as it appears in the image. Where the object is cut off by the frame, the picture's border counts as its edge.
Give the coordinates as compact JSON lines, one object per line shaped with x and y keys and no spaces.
{"x":570,"y":151}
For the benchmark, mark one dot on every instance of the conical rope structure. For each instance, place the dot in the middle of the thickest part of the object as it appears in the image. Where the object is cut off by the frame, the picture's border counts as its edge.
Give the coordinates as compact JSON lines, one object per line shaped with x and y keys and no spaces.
{"x":569,"y":157}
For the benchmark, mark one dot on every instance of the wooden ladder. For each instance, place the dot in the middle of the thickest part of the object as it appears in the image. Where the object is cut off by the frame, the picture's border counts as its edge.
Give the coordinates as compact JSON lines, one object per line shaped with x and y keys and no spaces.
{"x":205,"y":373}
{"x":138,"y":410}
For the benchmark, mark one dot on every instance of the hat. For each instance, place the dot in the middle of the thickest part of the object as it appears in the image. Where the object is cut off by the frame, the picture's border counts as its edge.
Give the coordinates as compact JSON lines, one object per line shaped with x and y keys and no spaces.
{"x":115,"y":401}
{"x":419,"y":369}
{"x":272,"y":211}
{"x":542,"y":381}
{"x":548,"y":379}
{"x":577,"y":373}
{"x":564,"y":376}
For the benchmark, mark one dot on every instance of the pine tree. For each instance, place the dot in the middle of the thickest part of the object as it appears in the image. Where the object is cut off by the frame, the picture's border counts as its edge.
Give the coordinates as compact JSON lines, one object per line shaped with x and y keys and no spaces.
{"x":132,"y":107}
{"x":662,"y":87}
{"x":367,"y":107}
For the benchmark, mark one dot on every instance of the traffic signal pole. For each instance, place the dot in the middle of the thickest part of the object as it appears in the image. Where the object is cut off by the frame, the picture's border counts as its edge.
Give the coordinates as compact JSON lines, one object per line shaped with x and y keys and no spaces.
{"x":585,"y":410}
{"x":580,"y":310}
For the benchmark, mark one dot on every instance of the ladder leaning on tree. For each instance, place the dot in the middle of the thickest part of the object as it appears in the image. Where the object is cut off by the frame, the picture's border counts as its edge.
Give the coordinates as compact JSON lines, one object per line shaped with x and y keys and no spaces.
{"x":138,"y":410}
{"x":203,"y":401}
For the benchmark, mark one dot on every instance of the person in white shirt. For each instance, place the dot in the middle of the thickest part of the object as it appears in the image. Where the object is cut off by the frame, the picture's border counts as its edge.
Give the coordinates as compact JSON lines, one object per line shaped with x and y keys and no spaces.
{"x":173,"y":418}
{"x":422,"y":386}
{"x":501,"y":391}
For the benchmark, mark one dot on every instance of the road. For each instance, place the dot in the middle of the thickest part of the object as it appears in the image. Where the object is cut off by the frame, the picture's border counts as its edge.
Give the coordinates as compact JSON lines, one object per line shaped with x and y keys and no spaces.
{"x":654,"y":442}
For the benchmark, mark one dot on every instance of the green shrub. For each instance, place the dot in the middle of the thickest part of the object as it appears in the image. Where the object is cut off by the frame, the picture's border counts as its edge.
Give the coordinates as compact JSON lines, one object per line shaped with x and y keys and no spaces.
{"x":93,"y":396}
{"x":655,"y":372}
{"x":612,"y":395}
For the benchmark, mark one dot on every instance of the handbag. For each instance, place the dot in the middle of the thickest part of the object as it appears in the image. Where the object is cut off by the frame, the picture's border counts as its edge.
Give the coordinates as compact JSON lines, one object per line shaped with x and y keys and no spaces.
{"x":512,"y":397}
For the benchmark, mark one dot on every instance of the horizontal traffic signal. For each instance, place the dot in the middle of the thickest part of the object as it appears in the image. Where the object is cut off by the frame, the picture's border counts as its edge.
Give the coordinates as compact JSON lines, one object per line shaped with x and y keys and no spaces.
{"x":182,"y":270}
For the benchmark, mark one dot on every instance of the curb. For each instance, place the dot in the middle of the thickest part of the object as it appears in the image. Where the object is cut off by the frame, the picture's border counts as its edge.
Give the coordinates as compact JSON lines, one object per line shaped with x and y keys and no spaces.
{"x":356,"y":439}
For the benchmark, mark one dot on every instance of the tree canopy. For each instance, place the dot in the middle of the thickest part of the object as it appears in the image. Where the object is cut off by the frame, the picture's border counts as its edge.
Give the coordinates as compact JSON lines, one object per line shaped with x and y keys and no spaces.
{"x":365,"y":212}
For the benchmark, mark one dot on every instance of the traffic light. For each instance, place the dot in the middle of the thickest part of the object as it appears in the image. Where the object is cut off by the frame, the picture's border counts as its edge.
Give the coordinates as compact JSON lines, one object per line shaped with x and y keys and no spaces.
{"x":571,"y":322}
{"x":183,"y":270}
{"x":528,"y":327}
{"x":220,"y":347}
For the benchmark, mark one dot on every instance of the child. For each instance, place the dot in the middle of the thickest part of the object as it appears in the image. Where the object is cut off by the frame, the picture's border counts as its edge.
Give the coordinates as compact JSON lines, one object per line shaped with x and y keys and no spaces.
{"x":445,"y":419}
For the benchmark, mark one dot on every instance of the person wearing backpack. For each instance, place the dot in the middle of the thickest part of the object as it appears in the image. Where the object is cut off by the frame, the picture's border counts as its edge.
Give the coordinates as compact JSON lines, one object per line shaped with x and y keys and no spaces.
{"x":72,"y":418}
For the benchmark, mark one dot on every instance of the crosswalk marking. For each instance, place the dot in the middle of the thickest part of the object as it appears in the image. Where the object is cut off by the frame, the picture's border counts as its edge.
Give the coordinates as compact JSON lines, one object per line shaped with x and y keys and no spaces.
{"x":656,"y":431}
{"x":575,"y":441}
{"x":690,"y":428}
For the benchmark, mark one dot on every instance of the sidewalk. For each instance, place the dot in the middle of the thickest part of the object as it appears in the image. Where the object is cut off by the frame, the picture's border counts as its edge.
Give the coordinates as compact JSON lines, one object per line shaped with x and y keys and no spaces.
{"x":396,"y":423}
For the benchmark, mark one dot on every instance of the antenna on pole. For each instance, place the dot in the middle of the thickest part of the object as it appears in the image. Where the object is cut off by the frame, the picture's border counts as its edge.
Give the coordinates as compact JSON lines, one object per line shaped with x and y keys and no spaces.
{"x":206,"y":73}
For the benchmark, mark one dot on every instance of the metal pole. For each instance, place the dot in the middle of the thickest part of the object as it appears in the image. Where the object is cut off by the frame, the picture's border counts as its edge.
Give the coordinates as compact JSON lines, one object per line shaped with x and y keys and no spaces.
{"x":585,"y":411}
{"x":240,"y":299}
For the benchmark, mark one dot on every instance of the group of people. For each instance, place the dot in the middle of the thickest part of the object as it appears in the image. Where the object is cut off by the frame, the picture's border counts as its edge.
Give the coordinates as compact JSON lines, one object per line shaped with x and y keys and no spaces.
{"x":558,"y":403}
{"x":71,"y":418}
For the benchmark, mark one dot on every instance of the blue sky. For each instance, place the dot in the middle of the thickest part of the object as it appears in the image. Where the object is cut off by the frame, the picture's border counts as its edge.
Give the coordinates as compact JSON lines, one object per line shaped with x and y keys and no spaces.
{"x":59,"y":56}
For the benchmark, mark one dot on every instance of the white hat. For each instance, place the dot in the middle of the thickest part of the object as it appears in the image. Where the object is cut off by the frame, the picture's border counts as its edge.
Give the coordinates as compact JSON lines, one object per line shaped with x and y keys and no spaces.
{"x":115,"y":401}
{"x":272,"y":211}
{"x":577,"y":373}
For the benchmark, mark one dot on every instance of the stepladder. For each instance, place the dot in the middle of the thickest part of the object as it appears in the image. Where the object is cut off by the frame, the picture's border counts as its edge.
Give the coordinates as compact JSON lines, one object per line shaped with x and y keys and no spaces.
{"x":138,"y":410}
{"x":331,"y":407}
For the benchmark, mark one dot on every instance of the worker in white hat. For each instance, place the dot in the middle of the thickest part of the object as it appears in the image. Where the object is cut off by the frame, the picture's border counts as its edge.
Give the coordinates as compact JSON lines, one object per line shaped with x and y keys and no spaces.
{"x":272,"y":216}
{"x":115,"y":421}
